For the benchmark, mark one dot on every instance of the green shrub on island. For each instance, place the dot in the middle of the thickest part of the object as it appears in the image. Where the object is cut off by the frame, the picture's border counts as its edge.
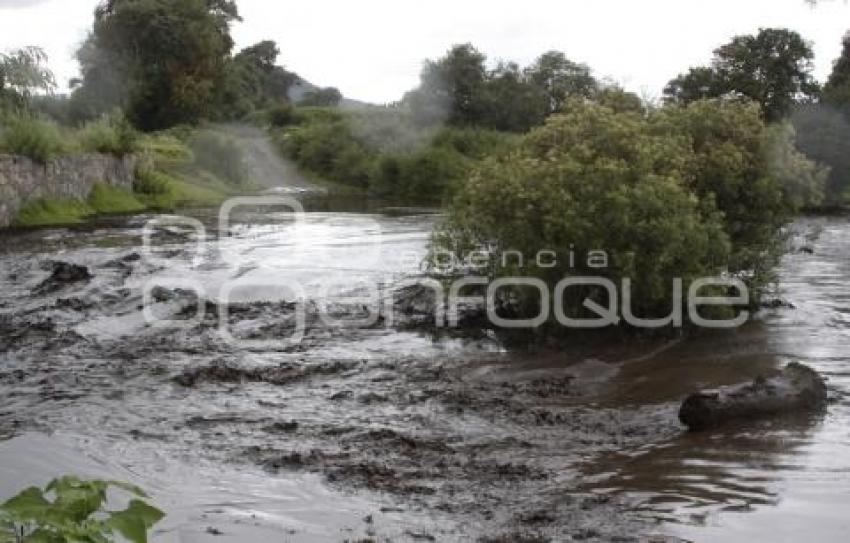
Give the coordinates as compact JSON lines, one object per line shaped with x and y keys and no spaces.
{"x":679,"y":193}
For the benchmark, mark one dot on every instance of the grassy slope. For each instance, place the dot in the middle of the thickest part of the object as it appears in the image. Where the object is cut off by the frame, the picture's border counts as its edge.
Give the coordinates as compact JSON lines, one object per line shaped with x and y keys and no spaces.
{"x":169,"y":180}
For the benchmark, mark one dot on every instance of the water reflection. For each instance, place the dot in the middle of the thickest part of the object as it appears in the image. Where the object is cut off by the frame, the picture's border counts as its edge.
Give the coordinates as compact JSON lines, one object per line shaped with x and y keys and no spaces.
{"x":786,"y":478}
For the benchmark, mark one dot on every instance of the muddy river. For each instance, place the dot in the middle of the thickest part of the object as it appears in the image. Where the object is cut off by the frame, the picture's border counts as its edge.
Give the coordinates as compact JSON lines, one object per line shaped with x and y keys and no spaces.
{"x":389,"y":431}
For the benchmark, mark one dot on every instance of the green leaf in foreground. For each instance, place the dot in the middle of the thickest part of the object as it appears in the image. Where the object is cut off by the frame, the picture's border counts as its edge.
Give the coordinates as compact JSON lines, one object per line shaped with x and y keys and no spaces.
{"x":72,"y":510}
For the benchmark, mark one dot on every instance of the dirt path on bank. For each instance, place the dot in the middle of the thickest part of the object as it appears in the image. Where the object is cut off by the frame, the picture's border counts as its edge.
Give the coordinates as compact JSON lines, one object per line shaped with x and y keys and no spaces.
{"x":265,"y":164}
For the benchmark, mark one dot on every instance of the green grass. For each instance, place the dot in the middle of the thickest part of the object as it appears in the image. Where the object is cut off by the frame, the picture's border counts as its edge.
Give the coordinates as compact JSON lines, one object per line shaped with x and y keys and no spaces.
{"x":154,"y":190}
{"x":163,"y":191}
{"x":109,"y":199}
{"x":103,"y":199}
{"x":194,"y":168}
{"x":52,"y":212}
{"x":163,"y":147}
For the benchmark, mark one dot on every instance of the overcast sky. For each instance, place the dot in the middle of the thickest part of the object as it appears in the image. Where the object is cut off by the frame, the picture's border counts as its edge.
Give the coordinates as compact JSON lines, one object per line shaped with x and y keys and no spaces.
{"x":373,"y":49}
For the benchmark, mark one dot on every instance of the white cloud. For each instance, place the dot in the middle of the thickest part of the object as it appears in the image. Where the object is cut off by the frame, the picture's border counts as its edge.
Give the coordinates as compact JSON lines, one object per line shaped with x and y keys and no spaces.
{"x":15,"y":4}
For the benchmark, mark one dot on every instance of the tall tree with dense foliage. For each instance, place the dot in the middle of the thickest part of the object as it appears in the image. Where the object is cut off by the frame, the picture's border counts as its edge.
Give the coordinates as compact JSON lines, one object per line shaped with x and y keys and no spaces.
{"x":697,"y":84}
{"x":161,"y":60}
{"x":451,"y":88}
{"x":511,"y":102}
{"x":253,"y":80}
{"x":773,"y":68}
{"x":560,"y":78}
{"x":460,"y":90}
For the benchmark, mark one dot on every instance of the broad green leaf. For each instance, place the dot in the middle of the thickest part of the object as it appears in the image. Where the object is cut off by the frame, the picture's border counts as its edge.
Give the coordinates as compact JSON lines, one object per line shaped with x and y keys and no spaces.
{"x":70,"y":517}
{"x":78,"y":499}
{"x":129,"y":525}
{"x":150,"y":515}
{"x":30,"y":504}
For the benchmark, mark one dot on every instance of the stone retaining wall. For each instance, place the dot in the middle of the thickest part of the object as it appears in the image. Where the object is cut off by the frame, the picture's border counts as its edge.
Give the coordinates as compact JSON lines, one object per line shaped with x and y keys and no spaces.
{"x":23,"y":180}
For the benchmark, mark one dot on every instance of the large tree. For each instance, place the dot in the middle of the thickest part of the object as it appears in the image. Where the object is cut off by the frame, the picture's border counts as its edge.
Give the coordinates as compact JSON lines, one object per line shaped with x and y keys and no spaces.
{"x":560,"y":78}
{"x":253,"y":81}
{"x":773,"y":68}
{"x":511,"y":102}
{"x":451,"y":88}
{"x":460,"y":90}
{"x":159,"y":59}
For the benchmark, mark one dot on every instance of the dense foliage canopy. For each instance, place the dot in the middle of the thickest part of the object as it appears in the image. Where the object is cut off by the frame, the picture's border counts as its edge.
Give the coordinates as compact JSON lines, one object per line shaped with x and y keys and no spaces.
{"x":773,"y":68}
{"x":160,"y":60}
{"x":460,"y":90}
{"x":681,"y":193}
{"x":167,"y":63}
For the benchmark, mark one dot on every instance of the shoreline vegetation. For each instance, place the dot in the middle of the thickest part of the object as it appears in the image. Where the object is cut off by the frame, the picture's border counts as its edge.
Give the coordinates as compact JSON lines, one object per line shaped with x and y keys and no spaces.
{"x":182,"y":167}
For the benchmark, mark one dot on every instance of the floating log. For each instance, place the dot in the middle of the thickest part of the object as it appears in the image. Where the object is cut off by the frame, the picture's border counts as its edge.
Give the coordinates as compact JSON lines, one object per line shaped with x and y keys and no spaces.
{"x":797,"y":388}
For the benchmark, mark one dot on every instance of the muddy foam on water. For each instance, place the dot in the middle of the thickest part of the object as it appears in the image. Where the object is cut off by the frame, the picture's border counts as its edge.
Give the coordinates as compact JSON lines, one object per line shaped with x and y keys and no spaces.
{"x":385,"y":432}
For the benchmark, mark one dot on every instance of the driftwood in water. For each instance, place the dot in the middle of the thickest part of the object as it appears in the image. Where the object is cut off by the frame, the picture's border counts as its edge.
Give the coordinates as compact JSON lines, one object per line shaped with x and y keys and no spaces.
{"x":797,"y":388}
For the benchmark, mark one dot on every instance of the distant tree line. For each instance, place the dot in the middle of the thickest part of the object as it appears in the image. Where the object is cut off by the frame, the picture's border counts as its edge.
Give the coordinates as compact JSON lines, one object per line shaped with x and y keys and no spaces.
{"x":459,"y":89}
{"x":165,"y":63}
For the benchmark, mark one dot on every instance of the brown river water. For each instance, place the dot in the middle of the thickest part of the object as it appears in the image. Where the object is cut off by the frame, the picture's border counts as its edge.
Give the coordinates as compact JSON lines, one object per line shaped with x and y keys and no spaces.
{"x":398,"y":433}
